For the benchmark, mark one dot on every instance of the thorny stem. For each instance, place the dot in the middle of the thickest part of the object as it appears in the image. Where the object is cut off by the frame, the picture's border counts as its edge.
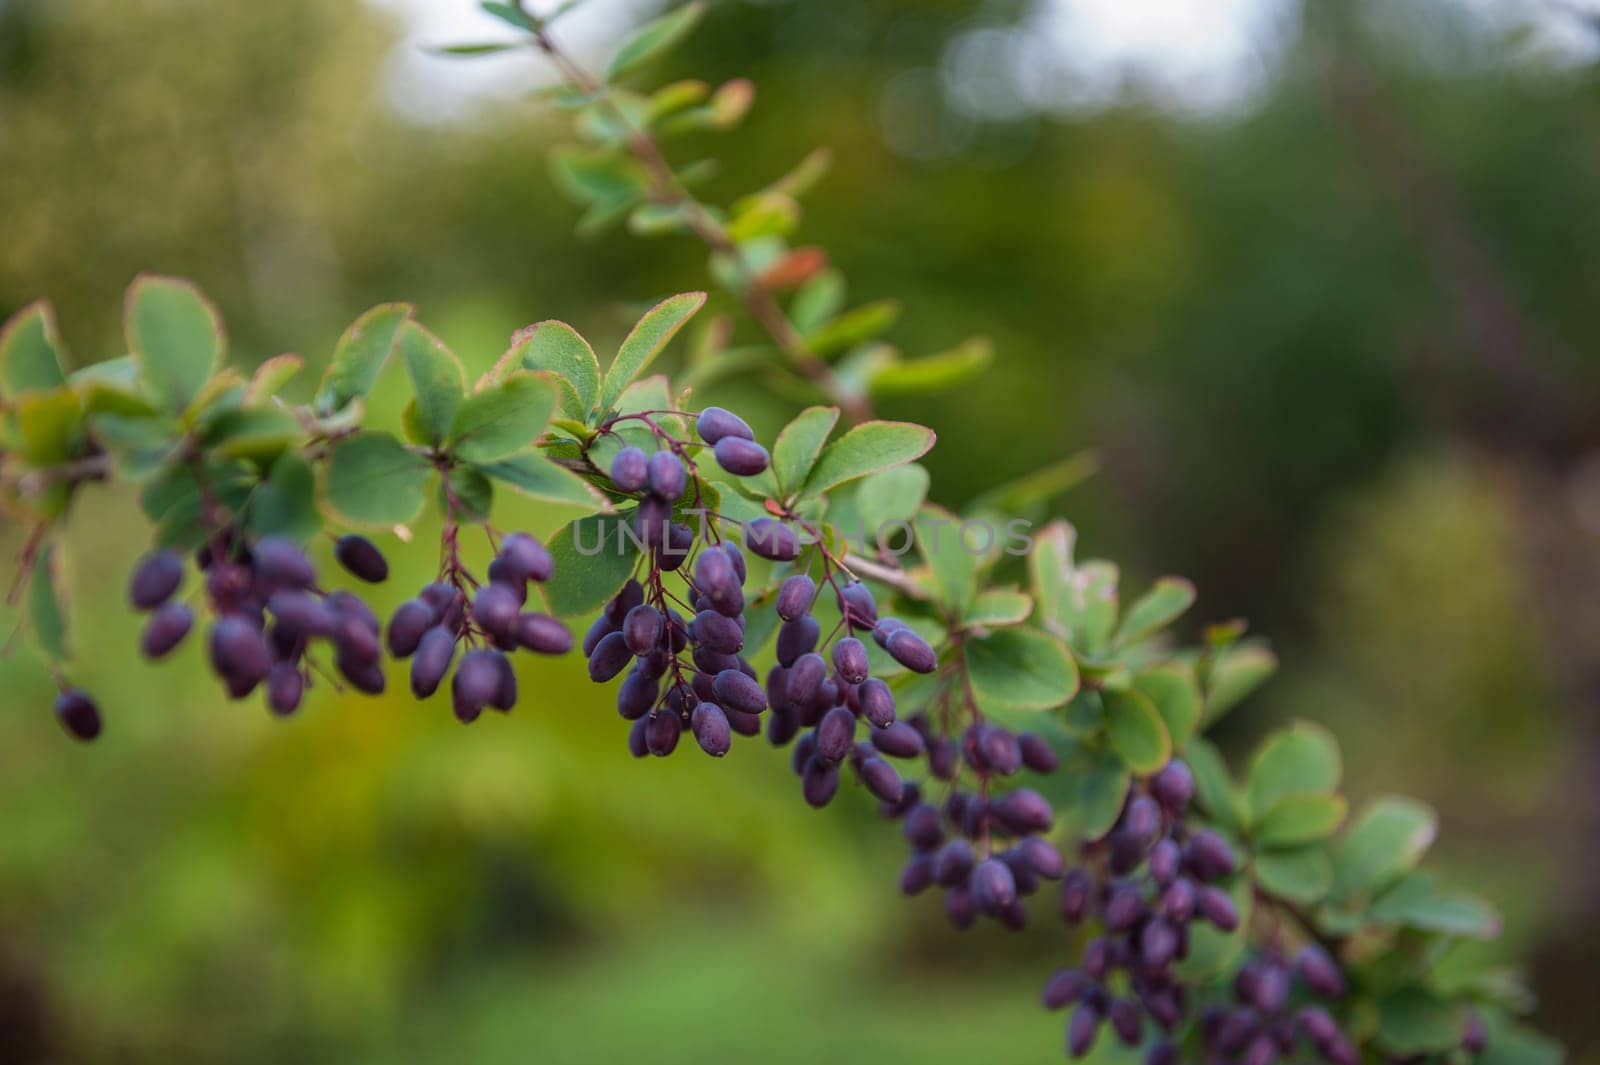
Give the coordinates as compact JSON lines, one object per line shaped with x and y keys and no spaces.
{"x":669,"y":191}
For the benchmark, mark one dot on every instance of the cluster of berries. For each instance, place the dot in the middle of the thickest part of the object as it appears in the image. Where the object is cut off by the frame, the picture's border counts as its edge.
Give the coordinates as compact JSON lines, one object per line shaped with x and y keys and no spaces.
{"x":268,"y":614}
{"x":1260,"y":1028}
{"x":1152,"y":876}
{"x":985,"y":850}
{"x":490,"y":620}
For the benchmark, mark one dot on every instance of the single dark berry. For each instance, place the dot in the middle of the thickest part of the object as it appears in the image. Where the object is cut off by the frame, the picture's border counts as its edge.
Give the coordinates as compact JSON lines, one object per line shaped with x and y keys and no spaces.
{"x":850,"y":659}
{"x":877,"y":702}
{"x":953,"y":863}
{"x":739,"y":691}
{"x":652,"y":521}
{"x":661,"y":731}
{"x":1319,"y":972}
{"x":630,"y":469}
{"x":1173,"y":787}
{"x":302,"y":615}
{"x":992,"y":885}
{"x":1042,"y":858}
{"x":411,"y":619}
{"x":898,"y":740}
{"x":1214,"y":905}
{"x":714,"y":576}
{"x":714,"y":424}
{"x":855,"y":601}
{"x":432,"y":661}
{"x":527,"y":558}
{"x":642,"y":629}
{"x":166,"y":629}
{"x":477,"y":681}
{"x":543,"y":634}
{"x":742,"y":458}
{"x":772,"y":540}
{"x":835,"y":734}
{"x":610,"y":657}
{"x":718,"y":632}
{"x":155,"y":579}
{"x":361,"y":558}
{"x":674,"y":551}
{"x":1082,"y":1029}
{"x":364,"y":674}
{"x":1209,"y":855}
{"x":912,"y":651}
{"x":281,"y":563}
{"x":1064,"y":988}
{"x":78,"y":714}
{"x":285,"y":687}
{"x":240,"y":653}
{"x":1037,"y":754}
{"x":666,"y":476}
{"x":711,"y":731}
{"x":796,"y":638}
{"x":795,"y":596}
{"x":1024,"y":811}
{"x":496,"y":610}
{"x":881,"y":779}
{"x":819,"y":782}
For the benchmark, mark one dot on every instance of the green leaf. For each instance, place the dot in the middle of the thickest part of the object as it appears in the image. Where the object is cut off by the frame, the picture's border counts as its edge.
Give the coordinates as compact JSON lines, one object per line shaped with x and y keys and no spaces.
{"x":485,"y":48}
{"x":888,"y":498}
{"x":271,"y":376}
{"x":359,"y":356}
{"x":1385,"y":842}
{"x":952,"y":562}
{"x":1213,"y":784}
{"x":510,"y":14}
{"x":1020,"y":669}
{"x":32,"y":357}
{"x":763,"y":215}
{"x":539,"y":478}
{"x":1163,"y":604}
{"x":498,"y":421}
{"x":1416,"y":902}
{"x":47,"y":612}
{"x":373,"y":480}
{"x":469,"y":492}
{"x":258,"y":433}
{"x":1039,"y":487}
{"x":817,"y":301}
{"x":611,"y":182}
{"x":1136,"y":730}
{"x":652,"y":333}
{"x":934,"y":373}
{"x":999,"y":607}
{"x":1299,"y":819}
{"x":558,"y":347}
{"x":1515,"y":1044}
{"x":1172,"y":688}
{"x":1237,"y":671}
{"x":1212,"y":951}
{"x":1302,"y":759}
{"x":1078,"y":602}
{"x":868,"y":448}
{"x":1302,"y":875}
{"x":799,"y":443}
{"x":175,"y":335}
{"x":436,"y":378}
{"x":1414,"y":1021}
{"x":853,"y":326}
{"x":1089,"y":792}
{"x":285,"y":504}
{"x":49,"y":426}
{"x":654,"y":38}
{"x":593,"y":558}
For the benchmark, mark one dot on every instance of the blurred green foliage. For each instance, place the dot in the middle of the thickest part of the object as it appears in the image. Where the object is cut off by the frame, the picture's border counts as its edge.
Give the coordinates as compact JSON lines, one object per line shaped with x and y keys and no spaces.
{"x":1233,"y":309}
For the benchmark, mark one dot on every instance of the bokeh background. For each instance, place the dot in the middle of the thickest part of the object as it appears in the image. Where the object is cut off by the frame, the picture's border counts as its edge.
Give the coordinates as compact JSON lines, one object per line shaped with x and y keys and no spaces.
{"x":1316,"y":277}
